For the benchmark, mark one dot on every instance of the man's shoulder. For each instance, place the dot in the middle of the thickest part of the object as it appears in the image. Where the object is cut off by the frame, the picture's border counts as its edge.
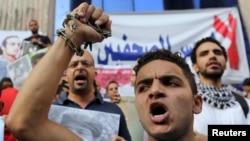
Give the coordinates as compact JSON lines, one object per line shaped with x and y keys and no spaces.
{"x":42,"y":36}
{"x":27,"y":38}
{"x":109,"y":106}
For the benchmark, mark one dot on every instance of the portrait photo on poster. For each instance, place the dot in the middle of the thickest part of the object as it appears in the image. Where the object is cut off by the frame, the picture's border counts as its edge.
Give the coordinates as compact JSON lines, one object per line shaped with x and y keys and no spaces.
{"x":89,"y":125}
{"x":19,"y":70}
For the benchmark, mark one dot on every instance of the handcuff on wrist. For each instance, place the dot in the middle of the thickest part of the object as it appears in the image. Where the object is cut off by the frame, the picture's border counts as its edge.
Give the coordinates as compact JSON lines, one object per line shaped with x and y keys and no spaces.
{"x":73,"y":27}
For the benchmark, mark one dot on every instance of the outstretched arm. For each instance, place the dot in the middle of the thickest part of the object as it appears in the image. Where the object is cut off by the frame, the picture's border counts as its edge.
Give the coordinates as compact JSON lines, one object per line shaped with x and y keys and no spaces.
{"x":28,"y":117}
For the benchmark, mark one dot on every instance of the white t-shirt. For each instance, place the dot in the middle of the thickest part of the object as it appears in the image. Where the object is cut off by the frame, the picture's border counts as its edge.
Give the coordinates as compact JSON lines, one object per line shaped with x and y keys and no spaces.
{"x":212,"y":116}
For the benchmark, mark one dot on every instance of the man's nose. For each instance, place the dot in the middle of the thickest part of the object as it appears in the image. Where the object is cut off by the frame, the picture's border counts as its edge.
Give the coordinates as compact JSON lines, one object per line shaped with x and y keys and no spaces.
{"x":156,"y":90}
{"x":79,"y":66}
{"x":212,"y":55}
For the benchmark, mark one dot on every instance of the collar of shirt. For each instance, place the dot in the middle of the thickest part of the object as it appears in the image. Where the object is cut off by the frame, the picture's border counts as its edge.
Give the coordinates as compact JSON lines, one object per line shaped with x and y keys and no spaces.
{"x":63,"y":99}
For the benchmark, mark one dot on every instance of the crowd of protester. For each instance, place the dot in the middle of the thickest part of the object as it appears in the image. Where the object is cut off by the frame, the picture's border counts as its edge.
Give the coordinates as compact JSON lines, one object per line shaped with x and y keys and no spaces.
{"x":161,"y":80}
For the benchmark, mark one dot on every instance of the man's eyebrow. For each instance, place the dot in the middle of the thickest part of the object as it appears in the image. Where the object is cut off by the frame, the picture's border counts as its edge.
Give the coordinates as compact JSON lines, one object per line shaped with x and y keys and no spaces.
{"x":169,"y":77}
{"x":145,"y":81}
{"x":217,"y":49}
{"x":161,"y":78}
{"x":75,"y":61}
{"x":203,"y":51}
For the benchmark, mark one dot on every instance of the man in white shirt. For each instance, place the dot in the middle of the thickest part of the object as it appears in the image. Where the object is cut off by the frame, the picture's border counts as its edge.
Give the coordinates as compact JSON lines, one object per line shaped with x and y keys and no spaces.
{"x":219,"y":101}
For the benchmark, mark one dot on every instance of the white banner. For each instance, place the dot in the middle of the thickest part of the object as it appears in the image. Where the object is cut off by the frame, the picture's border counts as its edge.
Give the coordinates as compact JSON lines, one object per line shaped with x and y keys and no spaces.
{"x":134,"y":34}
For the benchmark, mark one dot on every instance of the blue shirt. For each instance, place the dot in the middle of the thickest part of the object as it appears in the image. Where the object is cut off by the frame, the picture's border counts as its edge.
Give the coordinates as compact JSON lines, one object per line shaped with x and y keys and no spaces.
{"x":98,"y":104}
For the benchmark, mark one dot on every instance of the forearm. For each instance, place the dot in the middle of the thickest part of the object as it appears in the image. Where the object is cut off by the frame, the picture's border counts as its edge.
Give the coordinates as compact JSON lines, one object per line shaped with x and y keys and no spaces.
{"x":35,"y":96}
{"x":45,"y":45}
{"x":42,"y":82}
{"x":50,"y":131}
{"x":28,"y":117}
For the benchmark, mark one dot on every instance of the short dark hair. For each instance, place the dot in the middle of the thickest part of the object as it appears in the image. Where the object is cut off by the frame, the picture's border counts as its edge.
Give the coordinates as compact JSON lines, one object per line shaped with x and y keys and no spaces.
{"x":110,"y":82}
{"x":246,"y":82}
{"x":6,"y":38}
{"x":163,"y":54}
{"x":204,"y":40}
{"x":4,"y":79}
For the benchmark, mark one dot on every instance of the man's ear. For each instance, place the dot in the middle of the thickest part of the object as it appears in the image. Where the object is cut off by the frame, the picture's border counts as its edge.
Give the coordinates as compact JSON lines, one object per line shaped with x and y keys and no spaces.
{"x":195,"y":67}
{"x":197,"y":104}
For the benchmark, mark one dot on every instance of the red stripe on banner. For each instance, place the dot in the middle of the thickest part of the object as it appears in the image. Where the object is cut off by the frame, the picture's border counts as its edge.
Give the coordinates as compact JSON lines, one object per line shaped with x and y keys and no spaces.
{"x":233,"y":51}
{"x":220,"y":27}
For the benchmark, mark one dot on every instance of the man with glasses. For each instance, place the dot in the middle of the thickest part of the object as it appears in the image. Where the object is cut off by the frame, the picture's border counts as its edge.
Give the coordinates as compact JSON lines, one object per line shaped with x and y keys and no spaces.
{"x":80,"y":75}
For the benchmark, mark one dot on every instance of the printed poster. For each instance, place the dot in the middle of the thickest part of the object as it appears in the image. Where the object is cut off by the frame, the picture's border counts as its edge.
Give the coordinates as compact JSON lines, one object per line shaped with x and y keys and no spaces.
{"x":19,"y":70}
{"x":89,"y":125}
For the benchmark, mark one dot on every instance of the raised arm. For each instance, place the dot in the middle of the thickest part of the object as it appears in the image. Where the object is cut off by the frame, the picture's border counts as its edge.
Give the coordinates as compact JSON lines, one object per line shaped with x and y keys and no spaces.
{"x":28,"y":117}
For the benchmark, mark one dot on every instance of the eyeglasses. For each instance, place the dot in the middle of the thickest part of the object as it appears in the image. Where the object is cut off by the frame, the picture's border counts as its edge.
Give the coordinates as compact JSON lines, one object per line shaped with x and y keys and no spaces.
{"x":85,"y":63}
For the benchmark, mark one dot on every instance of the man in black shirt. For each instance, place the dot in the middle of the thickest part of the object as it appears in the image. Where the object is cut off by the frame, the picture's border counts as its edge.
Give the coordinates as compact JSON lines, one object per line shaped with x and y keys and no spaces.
{"x":35,"y":41}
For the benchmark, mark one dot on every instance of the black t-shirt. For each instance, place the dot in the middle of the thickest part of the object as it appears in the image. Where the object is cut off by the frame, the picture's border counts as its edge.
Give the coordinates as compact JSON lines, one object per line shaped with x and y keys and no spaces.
{"x":28,"y":47}
{"x":41,"y":38}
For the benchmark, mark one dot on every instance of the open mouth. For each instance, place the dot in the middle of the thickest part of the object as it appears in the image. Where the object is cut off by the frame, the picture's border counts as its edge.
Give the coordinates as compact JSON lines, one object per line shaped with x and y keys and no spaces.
{"x":80,"y":78}
{"x":158,"y":110}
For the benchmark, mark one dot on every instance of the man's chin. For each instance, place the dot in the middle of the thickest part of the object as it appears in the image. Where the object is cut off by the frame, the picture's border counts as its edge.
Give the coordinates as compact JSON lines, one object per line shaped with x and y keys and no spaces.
{"x":34,"y":32}
{"x":79,"y":91}
{"x":213,"y":75}
{"x":159,"y":135}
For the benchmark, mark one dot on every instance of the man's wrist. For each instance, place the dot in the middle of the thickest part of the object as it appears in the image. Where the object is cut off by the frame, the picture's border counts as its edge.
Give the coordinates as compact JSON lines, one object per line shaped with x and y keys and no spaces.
{"x":75,"y":37}
{"x":71,"y":44}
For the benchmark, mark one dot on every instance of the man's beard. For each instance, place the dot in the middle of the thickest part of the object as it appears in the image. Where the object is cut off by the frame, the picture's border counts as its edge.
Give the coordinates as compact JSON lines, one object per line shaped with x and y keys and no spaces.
{"x":81,"y":91}
{"x":34,"y":31}
{"x":212,"y":75}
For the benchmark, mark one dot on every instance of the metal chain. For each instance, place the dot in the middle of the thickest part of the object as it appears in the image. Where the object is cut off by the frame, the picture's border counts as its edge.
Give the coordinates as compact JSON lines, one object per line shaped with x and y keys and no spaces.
{"x":91,"y":24}
{"x":71,"y":45}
